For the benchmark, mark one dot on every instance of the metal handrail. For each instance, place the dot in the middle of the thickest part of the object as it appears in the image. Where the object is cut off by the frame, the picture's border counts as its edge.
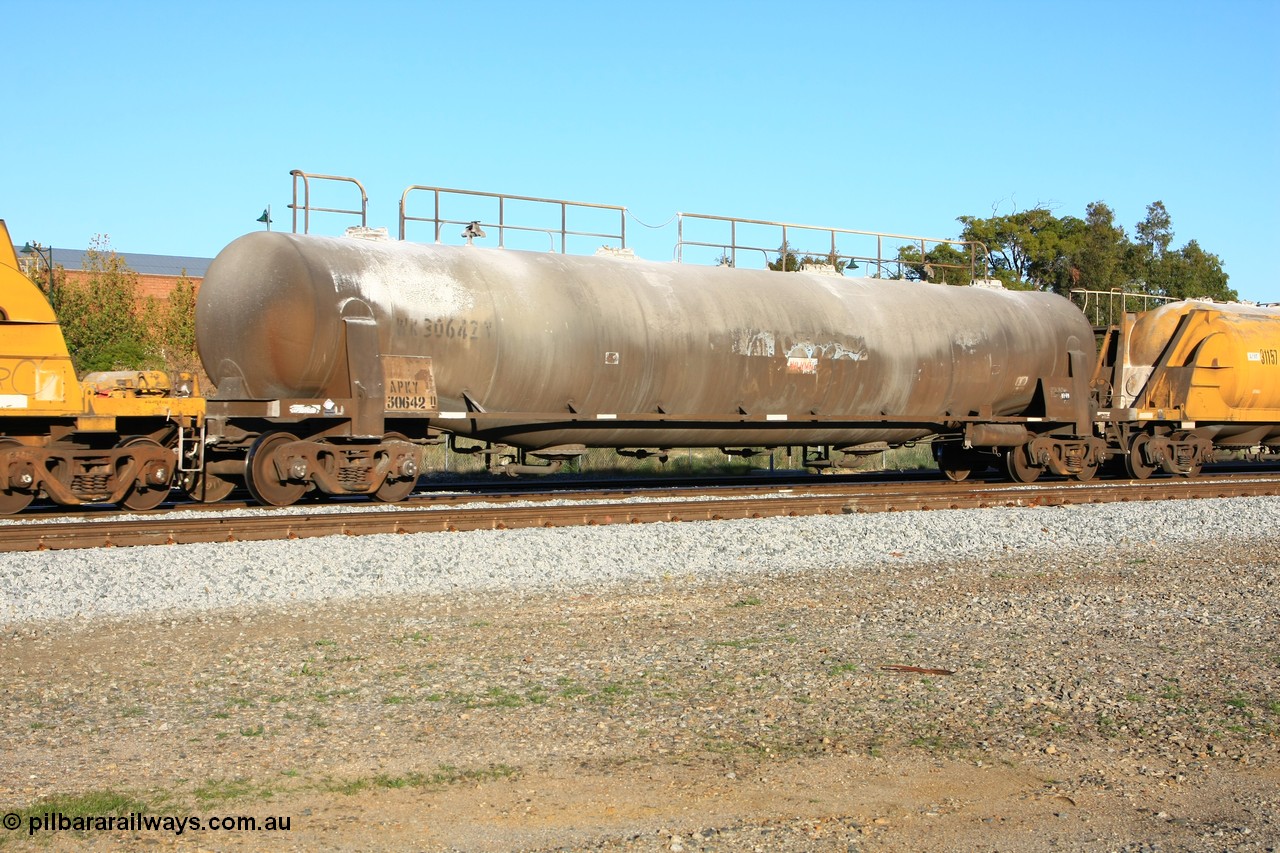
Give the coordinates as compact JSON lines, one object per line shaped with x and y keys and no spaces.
{"x":306,"y":207}
{"x":502,"y":225}
{"x":732,"y":248}
{"x":1117,"y":303}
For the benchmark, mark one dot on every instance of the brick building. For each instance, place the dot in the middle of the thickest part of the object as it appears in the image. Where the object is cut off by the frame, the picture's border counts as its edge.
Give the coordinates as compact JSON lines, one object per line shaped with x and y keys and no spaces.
{"x":157,"y":274}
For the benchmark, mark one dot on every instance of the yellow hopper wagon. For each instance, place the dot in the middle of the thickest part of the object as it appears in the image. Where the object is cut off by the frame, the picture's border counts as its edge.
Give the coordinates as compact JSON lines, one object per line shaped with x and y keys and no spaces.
{"x":122,"y":438}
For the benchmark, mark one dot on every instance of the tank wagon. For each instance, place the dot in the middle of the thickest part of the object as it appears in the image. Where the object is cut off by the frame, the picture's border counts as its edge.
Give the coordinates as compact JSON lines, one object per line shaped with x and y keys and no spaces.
{"x":121,"y":438}
{"x":1174,"y":383}
{"x":363,"y":341}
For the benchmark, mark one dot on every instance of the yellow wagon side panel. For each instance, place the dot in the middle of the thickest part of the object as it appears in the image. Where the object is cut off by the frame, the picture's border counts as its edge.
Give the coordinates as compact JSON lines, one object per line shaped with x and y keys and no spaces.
{"x":36,"y":374}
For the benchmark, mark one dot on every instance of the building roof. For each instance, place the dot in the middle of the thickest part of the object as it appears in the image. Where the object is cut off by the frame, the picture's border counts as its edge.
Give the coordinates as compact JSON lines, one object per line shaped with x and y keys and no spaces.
{"x":143,"y":264}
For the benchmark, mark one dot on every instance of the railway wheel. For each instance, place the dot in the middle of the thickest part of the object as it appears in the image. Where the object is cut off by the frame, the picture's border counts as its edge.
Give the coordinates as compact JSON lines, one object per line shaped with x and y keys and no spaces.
{"x":1017,"y":463}
{"x":393,"y":491}
{"x":958,"y":466}
{"x":12,"y":500}
{"x":1135,"y":464}
{"x":955,"y":463}
{"x":261,"y":475}
{"x":207,"y":488}
{"x":1088,"y":470}
{"x":1192,"y":470}
{"x":139,"y":497}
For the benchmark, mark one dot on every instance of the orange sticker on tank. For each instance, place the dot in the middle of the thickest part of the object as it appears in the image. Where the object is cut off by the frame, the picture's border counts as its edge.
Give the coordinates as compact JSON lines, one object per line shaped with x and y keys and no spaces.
{"x":805,"y":366}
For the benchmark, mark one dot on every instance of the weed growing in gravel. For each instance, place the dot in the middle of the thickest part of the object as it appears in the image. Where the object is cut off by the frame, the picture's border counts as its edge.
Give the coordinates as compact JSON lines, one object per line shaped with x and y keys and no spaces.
{"x":571,"y":690}
{"x":500,"y":697}
{"x":222,"y":790}
{"x":445,"y":774}
{"x":307,"y":669}
{"x":104,"y":802}
{"x":749,"y":601}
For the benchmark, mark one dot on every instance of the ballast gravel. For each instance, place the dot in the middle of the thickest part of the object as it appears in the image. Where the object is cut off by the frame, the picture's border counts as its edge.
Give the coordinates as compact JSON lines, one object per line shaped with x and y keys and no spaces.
{"x":181,"y":578}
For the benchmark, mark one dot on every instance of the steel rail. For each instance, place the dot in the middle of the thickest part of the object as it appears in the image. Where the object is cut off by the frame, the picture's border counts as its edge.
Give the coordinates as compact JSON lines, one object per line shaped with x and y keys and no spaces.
{"x":794,"y":501}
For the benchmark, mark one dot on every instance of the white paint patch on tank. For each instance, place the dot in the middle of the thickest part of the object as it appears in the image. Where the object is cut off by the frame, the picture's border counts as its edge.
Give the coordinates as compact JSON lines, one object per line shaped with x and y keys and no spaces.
{"x":969,"y":340}
{"x":832,"y":351}
{"x":753,"y":342}
{"x":402,"y":274}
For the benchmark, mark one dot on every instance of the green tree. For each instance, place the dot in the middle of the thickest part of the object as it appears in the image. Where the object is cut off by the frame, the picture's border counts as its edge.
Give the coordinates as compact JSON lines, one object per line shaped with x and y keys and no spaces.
{"x":1036,"y":249}
{"x":943,"y":264}
{"x":173,"y":336}
{"x":99,"y":315}
{"x":1191,"y":272}
{"x":1156,"y":231}
{"x":787,"y":260}
{"x":1023,"y":246}
{"x":1181,"y":273}
{"x":1099,"y":251}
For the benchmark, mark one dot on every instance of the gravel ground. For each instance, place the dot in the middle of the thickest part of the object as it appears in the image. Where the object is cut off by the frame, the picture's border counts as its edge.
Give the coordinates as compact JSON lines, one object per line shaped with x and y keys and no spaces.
{"x":1108,"y":678}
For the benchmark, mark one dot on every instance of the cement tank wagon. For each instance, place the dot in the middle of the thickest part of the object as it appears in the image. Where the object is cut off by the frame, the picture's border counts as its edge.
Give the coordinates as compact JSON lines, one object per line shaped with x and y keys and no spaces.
{"x":1188,"y":376}
{"x":544,"y":351}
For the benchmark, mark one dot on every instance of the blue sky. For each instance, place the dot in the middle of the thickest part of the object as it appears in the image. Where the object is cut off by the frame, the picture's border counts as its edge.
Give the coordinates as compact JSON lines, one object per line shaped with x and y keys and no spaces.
{"x":170,"y":126}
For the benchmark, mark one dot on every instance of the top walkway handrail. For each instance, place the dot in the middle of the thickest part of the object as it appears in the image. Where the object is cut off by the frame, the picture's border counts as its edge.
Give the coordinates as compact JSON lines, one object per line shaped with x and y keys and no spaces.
{"x":306,"y":207}
{"x":1107,"y":307}
{"x":732,"y":247}
{"x":503,"y":226}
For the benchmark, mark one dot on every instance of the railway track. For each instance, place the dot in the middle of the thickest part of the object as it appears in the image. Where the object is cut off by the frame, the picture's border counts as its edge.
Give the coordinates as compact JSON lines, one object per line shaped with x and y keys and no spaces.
{"x":442,"y":513}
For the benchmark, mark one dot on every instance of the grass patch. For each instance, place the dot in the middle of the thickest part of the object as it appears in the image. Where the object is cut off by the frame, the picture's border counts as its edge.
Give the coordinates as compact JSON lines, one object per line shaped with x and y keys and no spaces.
{"x":221,"y":790}
{"x":445,"y":774}
{"x":89,"y":804}
{"x":307,"y":670}
{"x":573,"y":691}
{"x":500,"y":697}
